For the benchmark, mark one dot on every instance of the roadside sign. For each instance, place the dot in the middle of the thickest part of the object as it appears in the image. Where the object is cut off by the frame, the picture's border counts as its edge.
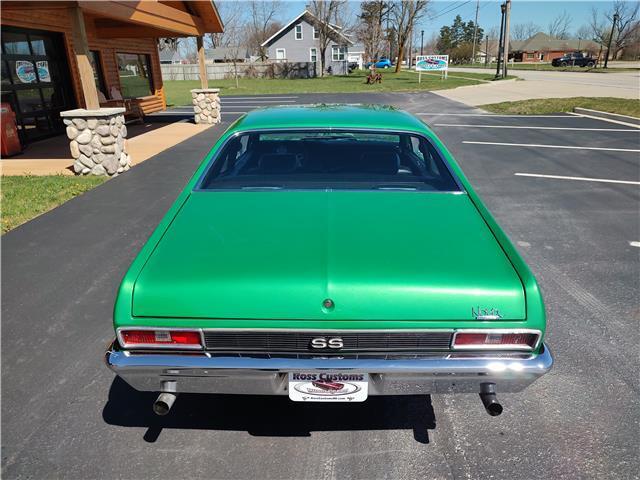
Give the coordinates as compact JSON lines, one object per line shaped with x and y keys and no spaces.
{"x":432,"y":63}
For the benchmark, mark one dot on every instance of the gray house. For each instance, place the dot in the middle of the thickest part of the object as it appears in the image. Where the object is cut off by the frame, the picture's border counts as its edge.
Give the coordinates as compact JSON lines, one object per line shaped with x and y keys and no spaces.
{"x":297,"y":41}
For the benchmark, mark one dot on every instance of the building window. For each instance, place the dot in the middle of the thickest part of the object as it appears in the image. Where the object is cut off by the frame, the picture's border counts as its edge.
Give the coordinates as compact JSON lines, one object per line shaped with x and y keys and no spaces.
{"x":98,"y":76}
{"x":299,"y":31}
{"x":281,"y":54}
{"x":134,"y":70}
{"x":338,"y":53}
{"x":313,"y":54}
{"x":316,"y":33}
{"x":530,"y":55}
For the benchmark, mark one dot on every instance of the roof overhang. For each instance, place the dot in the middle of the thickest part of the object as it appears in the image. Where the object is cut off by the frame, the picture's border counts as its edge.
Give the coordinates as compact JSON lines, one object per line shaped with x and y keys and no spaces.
{"x":134,"y":19}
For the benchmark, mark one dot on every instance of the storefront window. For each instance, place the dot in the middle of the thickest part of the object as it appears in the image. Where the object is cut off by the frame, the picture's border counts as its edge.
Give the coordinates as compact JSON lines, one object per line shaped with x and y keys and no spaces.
{"x":15,"y":43}
{"x":96,"y":66}
{"x":135,"y":75}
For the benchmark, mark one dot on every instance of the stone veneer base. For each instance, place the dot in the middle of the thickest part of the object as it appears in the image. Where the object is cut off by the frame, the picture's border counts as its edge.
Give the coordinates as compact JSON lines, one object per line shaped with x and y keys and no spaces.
{"x":97,"y":141}
{"x":206,"y":105}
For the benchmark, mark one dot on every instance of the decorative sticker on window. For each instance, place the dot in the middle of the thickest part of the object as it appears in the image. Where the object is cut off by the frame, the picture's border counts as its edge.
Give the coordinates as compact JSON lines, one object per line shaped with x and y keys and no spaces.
{"x":25,"y":71}
{"x":43,"y":71}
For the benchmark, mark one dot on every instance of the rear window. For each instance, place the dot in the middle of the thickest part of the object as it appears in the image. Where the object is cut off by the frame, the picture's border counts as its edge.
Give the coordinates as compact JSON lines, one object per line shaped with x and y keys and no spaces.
{"x":329,"y":160}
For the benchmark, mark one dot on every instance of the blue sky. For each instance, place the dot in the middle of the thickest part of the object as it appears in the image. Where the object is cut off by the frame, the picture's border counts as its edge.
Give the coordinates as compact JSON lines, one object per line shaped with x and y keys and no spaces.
{"x":539,"y":12}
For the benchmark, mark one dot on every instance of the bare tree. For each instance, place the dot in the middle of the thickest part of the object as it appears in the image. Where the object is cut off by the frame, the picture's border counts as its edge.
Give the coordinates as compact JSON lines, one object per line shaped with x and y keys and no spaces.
{"x":232,"y":17}
{"x":371,"y":31}
{"x":522,"y":31}
{"x":626,"y":29}
{"x":326,"y":13}
{"x":559,"y":26}
{"x":263,"y":23}
{"x":405,"y":14}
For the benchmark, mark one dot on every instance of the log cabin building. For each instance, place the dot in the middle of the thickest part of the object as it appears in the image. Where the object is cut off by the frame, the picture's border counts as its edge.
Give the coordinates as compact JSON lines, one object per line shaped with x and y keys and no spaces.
{"x":59,"y":56}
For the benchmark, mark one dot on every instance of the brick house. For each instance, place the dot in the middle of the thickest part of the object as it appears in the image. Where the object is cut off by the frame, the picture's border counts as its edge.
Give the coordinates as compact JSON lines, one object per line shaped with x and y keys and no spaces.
{"x":544,"y":48}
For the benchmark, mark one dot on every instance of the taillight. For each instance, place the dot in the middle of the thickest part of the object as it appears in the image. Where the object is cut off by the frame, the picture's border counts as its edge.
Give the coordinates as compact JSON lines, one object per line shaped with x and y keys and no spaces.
{"x":492,"y":340}
{"x":160,"y":339}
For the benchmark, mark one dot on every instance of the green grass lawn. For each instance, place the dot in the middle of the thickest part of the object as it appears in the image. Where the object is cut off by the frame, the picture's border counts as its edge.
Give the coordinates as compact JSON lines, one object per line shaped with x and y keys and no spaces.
{"x":25,"y":197}
{"x":177,"y":91}
{"x":547,"y":66}
{"x":623,"y":106}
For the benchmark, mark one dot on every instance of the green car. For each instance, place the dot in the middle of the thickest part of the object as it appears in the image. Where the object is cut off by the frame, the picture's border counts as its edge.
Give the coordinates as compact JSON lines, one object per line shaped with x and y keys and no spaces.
{"x":329,"y":253}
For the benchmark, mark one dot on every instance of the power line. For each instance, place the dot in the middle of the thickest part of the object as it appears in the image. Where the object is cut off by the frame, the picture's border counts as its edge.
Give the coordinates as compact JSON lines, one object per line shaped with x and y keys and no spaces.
{"x":450,"y":9}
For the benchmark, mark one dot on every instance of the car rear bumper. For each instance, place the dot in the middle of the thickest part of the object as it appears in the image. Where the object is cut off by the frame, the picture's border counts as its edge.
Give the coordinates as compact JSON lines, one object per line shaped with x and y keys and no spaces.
{"x":446,"y":373}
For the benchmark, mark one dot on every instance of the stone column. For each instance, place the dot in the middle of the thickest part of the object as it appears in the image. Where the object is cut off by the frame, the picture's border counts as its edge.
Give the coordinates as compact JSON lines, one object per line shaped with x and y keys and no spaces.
{"x":97,"y":140}
{"x":206,"y":105}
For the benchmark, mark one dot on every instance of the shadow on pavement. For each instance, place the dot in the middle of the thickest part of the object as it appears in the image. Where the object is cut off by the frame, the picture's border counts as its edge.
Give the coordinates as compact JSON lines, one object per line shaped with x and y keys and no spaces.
{"x":273,"y":416}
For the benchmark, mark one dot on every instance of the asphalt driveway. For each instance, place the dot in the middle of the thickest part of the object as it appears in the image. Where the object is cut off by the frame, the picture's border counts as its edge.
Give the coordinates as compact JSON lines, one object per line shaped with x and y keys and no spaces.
{"x":65,"y":416}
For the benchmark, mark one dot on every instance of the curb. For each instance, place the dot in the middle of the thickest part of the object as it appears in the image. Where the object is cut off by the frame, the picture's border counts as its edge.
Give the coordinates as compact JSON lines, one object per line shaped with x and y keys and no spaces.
{"x":607,"y":115}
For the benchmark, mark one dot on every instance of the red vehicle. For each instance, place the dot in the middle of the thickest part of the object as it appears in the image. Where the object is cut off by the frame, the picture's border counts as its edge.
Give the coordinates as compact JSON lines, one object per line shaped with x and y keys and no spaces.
{"x":328,"y":386}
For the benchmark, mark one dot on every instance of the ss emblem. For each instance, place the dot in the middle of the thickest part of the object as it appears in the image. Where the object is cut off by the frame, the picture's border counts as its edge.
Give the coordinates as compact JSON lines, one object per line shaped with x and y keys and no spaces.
{"x":322,"y":342}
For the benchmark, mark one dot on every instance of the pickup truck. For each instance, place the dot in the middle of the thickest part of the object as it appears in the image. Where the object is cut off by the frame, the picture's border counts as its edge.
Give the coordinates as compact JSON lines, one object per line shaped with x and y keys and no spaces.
{"x":576,"y":59}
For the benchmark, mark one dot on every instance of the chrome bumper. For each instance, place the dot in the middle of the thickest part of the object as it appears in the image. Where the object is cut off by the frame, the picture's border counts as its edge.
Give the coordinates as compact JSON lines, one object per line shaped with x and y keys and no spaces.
{"x":449,"y":373}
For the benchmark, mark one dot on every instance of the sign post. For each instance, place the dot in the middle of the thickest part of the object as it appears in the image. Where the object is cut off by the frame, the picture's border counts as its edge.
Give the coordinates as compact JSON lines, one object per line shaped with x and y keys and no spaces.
{"x":432,"y":63}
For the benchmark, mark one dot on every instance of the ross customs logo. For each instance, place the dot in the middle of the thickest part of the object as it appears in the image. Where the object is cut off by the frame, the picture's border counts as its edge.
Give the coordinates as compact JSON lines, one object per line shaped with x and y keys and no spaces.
{"x":326,"y":384}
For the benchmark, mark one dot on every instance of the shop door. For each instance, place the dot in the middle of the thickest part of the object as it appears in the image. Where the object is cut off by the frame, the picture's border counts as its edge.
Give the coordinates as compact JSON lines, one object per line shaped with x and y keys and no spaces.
{"x":35,"y":80}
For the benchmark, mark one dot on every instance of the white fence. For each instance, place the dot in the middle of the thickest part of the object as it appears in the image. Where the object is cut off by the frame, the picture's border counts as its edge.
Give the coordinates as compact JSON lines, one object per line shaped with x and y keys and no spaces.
{"x":219,"y":71}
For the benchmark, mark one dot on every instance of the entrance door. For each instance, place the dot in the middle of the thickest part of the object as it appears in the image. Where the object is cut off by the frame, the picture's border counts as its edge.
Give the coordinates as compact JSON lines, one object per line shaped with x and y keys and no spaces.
{"x":35,"y":80}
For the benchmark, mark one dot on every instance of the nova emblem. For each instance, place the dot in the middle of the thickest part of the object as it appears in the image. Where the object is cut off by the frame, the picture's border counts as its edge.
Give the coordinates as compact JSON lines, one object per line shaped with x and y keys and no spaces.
{"x":323,"y":342}
{"x":485,"y":313}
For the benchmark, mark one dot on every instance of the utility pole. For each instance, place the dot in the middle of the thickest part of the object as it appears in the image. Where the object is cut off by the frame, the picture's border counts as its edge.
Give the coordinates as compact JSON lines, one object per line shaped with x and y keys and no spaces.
{"x":613,"y":27}
{"x":421,"y":41}
{"x":486,"y":50}
{"x":475,"y":34}
{"x":503,"y":7}
{"x":505,"y":52}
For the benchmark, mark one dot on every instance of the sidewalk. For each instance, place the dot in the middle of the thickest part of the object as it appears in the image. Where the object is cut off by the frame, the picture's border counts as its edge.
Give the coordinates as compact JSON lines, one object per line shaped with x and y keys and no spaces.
{"x":52,"y":156}
{"x":545,"y":84}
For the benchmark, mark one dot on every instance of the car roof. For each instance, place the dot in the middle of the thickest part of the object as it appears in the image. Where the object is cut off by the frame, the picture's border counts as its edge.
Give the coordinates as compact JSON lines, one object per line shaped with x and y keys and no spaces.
{"x":330,"y":116}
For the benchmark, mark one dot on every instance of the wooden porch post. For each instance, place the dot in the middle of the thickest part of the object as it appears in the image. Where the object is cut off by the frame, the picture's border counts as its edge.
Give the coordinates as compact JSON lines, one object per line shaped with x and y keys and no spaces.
{"x":204,"y":83}
{"x":81,"y":50}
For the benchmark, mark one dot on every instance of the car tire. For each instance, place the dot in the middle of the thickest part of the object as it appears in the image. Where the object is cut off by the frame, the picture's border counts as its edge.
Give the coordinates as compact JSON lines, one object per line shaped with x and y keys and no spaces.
{"x":591,"y":64}
{"x":563,"y":64}
{"x":386,"y":66}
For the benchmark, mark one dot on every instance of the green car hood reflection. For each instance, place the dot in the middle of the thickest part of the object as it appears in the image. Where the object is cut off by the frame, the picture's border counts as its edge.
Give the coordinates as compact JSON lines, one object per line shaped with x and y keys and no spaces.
{"x":377,"y":255}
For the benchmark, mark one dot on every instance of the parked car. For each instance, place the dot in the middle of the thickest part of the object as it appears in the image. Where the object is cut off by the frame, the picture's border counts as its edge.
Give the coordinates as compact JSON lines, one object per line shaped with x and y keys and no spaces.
{"x":383,"y":62}
{"x":329,"y":253}
{"x":576,"y":59}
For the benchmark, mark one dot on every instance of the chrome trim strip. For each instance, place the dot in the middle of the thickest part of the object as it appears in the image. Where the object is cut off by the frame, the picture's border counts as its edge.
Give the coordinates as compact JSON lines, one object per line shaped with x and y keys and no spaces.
{"x":497,"y":347}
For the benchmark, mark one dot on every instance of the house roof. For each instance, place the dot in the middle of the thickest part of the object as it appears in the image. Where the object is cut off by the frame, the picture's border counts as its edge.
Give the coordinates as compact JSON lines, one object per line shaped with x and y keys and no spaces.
{"x":168,"y":55}
{"x":312,"y":19}
{"x":541,"y":42}
{"x":222,"y":53}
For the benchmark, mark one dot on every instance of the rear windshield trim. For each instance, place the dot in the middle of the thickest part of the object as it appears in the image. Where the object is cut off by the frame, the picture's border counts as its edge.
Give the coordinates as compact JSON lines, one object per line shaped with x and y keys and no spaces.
{"x":200,"y":188}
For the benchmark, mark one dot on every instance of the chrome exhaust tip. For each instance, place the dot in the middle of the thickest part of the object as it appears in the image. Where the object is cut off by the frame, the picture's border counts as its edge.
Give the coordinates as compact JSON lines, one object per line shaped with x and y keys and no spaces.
{"x":489,"y":399}
{"x":163,"y":403}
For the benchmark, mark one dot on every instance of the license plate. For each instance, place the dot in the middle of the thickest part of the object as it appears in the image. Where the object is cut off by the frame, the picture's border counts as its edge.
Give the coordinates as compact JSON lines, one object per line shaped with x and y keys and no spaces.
{"x":328,"y":387}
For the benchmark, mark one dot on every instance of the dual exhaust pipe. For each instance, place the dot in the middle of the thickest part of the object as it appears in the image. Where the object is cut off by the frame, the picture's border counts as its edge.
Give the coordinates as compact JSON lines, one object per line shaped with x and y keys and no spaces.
{"x":166,"y":399}
{"x":489,"y":399}
{"x":168,"y":396}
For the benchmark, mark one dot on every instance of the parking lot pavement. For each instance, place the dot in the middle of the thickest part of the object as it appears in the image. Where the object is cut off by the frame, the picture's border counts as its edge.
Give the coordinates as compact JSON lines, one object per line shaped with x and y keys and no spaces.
{"x":63,"y":414}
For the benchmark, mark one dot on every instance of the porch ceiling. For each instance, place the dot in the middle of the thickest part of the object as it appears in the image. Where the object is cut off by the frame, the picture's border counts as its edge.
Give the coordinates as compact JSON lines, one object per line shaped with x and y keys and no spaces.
{"x":131,"y":19}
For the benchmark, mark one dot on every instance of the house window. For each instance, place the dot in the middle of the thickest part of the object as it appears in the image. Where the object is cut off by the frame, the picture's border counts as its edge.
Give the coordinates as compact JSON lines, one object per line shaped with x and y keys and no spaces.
{"x":134,"y":70}
{"x":316,"y":33}
{"x":530,"y":55}
{"x":338,"y":53}
{"x":299,"y":31}
{"x":313,"y":54}
{"x":98,"y":75}
{"x":281,"y":54}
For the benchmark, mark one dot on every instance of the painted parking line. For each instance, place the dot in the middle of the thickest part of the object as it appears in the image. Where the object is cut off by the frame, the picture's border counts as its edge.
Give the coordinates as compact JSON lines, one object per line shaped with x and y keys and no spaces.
{"x":537,"y":145}
{"x":634,"y":244}
{"x":580,"y":179}
{"x":490,"y":115}
{"x":525,"y":127}
{"x":602,"y":119}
